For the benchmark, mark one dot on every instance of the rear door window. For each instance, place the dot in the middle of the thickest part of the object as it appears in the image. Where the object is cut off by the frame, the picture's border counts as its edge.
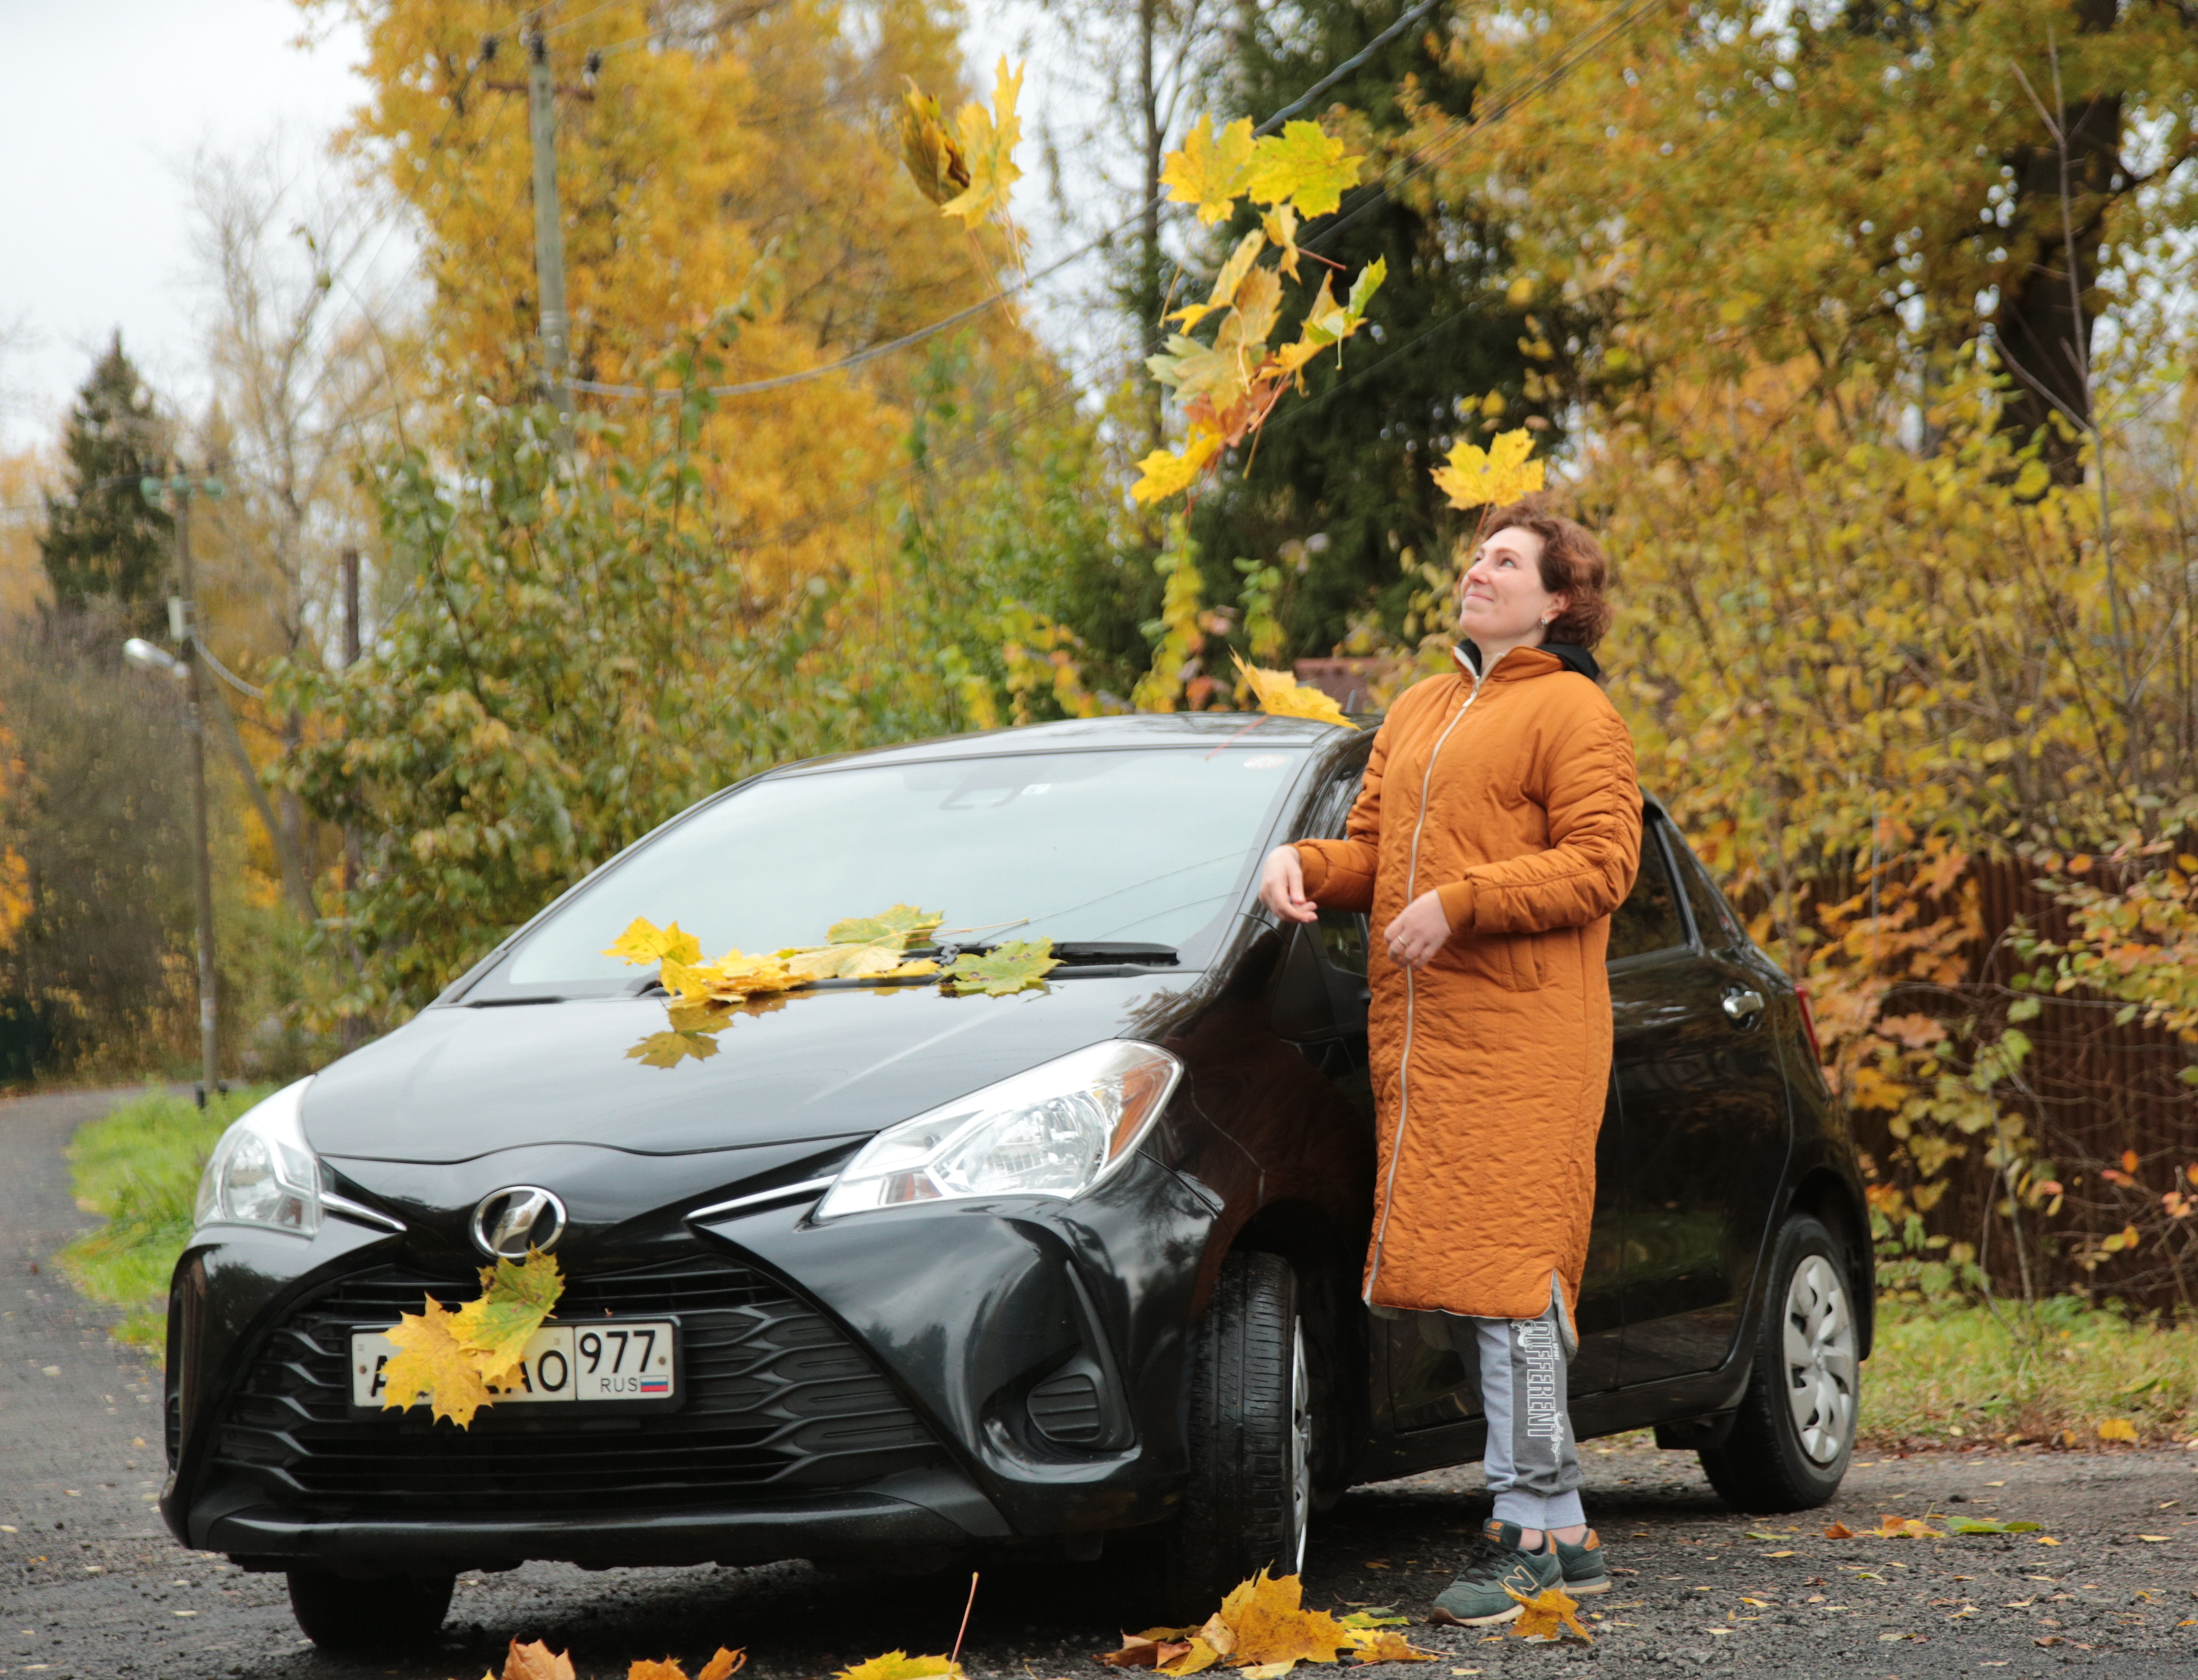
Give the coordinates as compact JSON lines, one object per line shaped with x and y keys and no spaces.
{"x":1649,"y":921}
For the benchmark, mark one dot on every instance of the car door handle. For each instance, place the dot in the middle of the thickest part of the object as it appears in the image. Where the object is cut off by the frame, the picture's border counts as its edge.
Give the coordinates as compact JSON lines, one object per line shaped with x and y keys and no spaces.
{"x":1743,"y":1004}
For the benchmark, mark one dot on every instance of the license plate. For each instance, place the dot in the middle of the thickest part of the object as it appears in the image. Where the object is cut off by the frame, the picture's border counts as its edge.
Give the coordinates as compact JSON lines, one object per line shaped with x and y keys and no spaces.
{"x":617,"y":1359}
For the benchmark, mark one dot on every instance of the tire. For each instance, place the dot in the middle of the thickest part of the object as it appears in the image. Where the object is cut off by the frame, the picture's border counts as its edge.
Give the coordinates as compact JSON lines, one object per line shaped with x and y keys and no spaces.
{"x":391,"y":1612}
{"x":1249,"y":1500}
{"x":1795,"y":1431}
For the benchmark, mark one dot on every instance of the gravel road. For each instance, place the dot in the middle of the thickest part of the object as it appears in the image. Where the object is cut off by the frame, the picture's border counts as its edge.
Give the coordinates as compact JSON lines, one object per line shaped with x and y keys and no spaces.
{"x":91,"y":1586}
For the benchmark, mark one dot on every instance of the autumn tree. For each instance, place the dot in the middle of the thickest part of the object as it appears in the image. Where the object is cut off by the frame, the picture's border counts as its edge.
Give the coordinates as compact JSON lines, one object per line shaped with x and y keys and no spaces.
{"x":103,"y":542}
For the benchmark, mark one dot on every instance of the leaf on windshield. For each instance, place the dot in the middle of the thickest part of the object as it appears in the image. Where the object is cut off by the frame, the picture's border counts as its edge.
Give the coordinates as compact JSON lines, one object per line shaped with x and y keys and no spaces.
{"x":732,"y":979}
{"x":866,"y":947}
{"x":1017,"y":965}
{"x":516,"y":1298}
{"x":903,"y":922}
{"x":1281,"y":695}
{"x":644,"y":942}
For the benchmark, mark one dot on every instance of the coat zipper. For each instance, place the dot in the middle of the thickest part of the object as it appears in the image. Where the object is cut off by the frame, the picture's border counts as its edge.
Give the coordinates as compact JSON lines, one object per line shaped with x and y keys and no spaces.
{"x":1404,"y":1065}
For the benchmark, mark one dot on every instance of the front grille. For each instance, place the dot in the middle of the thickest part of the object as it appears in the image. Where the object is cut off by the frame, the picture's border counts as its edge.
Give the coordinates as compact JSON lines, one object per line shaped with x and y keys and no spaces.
{"x":776,"y":1399}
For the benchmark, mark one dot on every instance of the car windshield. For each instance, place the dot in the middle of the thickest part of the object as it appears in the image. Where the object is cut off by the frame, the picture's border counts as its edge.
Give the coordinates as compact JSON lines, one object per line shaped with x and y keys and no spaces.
{"x":1147,"y":846}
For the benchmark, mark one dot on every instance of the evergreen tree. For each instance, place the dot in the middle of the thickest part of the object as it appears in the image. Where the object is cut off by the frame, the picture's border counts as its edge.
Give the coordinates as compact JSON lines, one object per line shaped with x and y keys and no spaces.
{"x":1338,"y":490}
{"x":103,"y":542}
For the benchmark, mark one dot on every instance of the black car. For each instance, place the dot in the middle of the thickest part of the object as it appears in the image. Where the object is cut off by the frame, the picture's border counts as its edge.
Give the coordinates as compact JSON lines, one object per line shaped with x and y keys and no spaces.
{"x":904,"y":1274}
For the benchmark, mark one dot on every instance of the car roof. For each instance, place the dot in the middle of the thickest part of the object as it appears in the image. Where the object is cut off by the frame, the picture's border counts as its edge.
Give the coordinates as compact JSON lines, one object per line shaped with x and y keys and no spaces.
{"x":1208,"y":729}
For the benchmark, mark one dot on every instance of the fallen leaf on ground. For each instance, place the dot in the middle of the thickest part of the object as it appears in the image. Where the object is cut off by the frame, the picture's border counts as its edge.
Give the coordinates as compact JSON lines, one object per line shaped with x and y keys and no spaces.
{"x":2117,"y":1429}
{"x":2154,"y":1539}
{"x":536,"y":1662}
{"x":1782,"y":1553}
{"x":1979,"y":1526}
{"x":1271,"y":1626}
{"x":1549,"y":1614}
{"x":2047,"y":1540}
{"x":1377,"y":1616}
{"x":1385,"y":1645}
{"x":1906,"y":1528}
{"x":1838,"y":1531}
{"x":721,"y":1666}
{"x":724,"y":1665}
{"x":1760,"y":1534}
{"x":1271,"y":1670}
{"x":900,"y":1666}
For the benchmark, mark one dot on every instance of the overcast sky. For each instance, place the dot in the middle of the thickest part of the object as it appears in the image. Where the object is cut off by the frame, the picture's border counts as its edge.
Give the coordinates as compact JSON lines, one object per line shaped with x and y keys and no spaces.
{"x":108,"y":102}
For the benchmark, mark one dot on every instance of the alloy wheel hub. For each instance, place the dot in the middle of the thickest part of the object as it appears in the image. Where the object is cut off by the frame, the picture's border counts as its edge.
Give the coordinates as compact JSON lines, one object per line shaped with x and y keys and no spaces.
{"x":1820,"y":1359}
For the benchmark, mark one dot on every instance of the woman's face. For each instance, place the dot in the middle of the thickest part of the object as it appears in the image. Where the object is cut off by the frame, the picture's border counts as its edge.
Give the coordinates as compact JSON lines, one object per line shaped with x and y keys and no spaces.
{"x":1502,"y":601}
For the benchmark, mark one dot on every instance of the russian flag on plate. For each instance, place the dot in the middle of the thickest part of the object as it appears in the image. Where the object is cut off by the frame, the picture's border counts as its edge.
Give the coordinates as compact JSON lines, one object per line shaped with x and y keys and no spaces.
{"x":655,"y":1385}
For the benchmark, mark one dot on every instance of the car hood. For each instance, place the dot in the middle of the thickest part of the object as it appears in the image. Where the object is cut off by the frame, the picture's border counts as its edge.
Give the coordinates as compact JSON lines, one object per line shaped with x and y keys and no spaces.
{"x":459,"y":1082}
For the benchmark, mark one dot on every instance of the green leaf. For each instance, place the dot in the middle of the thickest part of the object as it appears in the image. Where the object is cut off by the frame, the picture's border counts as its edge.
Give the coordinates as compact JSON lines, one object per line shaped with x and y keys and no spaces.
{"x":1975,"y":1525}
{"x":516,"y":1298}
{"x":902,"y":923}
{"x":2024,"y":1009}
{"x":1377,"y":1616}
{"x":1016,"y":965}
{"x":1364,"y":288}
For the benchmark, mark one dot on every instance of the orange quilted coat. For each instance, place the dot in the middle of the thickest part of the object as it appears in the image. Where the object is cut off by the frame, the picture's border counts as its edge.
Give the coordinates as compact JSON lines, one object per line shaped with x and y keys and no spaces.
{"x":1515,"y":797}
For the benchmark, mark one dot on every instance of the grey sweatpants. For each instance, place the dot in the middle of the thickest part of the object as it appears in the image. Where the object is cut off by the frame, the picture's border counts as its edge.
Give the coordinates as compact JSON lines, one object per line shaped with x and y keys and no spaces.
{"x":1531,"y":1461}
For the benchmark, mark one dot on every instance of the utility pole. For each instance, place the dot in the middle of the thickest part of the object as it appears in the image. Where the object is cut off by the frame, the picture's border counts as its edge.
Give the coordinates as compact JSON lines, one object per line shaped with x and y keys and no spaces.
{"x":549,"y":233}
{"x":183,"y":622}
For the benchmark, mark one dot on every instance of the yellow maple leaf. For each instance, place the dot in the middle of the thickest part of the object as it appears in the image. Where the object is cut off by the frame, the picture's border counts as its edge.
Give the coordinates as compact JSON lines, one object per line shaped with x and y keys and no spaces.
{"x":1280,"y":695}
{"x":1891,"y":1527}
{"x":643,"y":941}
{"x":934,"y":162}
{"x":432,"y":1364}
{"x":1195,"y":1657}
{"x":903,"y":921}
{"x":1211,"y":169}
{"x":645,"y":1668}
{"x":536,"y":1662}
{"x":988,"y":146}
{"x":900,"y":1666}
{"x":516,"y":1298}
{"x":1387,"y":1645}
{"x":1271,"y":1626}
{"x":1224,"y":283}
{"x":1167,"y":472}
{"x":2117,"y":1429}
{"x":841,"y":962}
{"x":1279,"y":225}
{"x":1478,"y":479}
{"x":1302,"y":166}
{"x":670,"y":1049}
{"x":1551,"y":1613}
{"x":731,"y":979}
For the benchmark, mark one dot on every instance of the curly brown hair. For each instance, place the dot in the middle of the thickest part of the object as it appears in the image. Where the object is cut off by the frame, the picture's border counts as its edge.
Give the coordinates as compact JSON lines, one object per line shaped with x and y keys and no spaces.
{"x":1572,"y":565}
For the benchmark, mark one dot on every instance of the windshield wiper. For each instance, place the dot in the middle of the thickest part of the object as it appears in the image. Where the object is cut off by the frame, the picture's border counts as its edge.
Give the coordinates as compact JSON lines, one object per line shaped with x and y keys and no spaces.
{"x":1077,"y":953}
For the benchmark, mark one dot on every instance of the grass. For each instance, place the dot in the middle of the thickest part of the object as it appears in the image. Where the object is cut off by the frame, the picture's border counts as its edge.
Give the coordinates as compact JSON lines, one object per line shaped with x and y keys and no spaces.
{"x":138,"y":1168}
{"x":2054,"y":1374}
{"x":1946,"y":1375}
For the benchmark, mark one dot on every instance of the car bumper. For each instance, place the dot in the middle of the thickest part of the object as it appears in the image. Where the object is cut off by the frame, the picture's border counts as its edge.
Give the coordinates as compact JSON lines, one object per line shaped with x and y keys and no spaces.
{"x":1024,"y":1367}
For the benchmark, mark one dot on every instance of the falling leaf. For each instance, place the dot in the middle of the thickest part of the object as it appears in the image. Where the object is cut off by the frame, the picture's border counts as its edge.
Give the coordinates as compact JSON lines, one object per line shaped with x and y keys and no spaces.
{"x":644,"y":942}
{"x":536,"y":1662}
{"x":2117,"y":1429}
{"x":1279,"y":225}
{"x":1838,"y":1531}
{"x":1225,"y":283}
{"x":1983,"y":1525}
{"x":1475,"y":478}
{"x":1281,"y":695}
{"x":1551,"y":1613}
{"x":988,"y":149}
{"x":934,"y":162}
{"x":1302,"y":167}
{"x":900,"y":1666}
{"x":431,"y":1364}
{"x":669,"y":1049}
{"x":1167,"y":472}
{"x":1016,"y":966}
{"x":516,"y":1298}
{"x":1210,"y":171}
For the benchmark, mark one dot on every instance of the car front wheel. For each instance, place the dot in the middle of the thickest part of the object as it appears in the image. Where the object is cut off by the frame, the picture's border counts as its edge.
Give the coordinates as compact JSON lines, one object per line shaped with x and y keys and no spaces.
{"x":388,"y":1613}
{"x":1795,"y":1431}
{"x":1249,"y":1500}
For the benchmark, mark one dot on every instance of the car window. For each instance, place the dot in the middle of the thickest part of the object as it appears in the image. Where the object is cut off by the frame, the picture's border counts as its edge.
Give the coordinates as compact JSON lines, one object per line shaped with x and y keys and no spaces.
{"x":1149,"y":846}
{"x":1343,"y":937}
{"x":1649,"y":920}
{"x":1715,"y":923}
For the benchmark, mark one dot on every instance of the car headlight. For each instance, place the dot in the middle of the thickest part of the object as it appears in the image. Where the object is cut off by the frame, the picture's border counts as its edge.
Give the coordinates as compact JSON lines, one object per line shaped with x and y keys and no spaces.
{"x":1055,"y":1130}
{"x":261,"y":1172}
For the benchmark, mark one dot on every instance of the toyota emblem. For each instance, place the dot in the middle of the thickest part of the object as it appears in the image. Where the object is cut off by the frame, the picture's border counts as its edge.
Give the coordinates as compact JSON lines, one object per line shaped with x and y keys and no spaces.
{"x":507,"y":1223}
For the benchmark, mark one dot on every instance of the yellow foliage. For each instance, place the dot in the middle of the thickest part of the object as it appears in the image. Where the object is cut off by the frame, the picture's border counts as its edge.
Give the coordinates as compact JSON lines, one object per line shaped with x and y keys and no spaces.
{"x":1281,"y":695}
{"x":1551,"y":1614}
{"x":432,"y":1364}
{"x":1473,"y":478}
{"x":988,"y":148}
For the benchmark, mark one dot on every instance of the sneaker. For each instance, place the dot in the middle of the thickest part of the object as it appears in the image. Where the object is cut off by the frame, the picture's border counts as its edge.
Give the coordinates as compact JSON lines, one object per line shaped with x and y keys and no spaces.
{"x":1477,"y":1597}
{"x":1584,"y":1574}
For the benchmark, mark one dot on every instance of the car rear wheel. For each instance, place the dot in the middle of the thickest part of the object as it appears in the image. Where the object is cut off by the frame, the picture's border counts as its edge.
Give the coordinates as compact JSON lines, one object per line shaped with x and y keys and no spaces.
{"x":1795,"y":1431}
{"x":387,"y":1614}
{"x":1249,"y":1502}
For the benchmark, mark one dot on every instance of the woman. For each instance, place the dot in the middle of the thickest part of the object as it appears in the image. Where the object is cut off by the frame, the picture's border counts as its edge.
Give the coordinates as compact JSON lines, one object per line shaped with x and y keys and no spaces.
{"x":1498,"y":826}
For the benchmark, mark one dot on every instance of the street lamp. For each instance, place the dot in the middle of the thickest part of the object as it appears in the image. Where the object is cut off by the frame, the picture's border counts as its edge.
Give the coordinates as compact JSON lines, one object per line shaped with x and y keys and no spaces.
{"x":147,"y":657}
